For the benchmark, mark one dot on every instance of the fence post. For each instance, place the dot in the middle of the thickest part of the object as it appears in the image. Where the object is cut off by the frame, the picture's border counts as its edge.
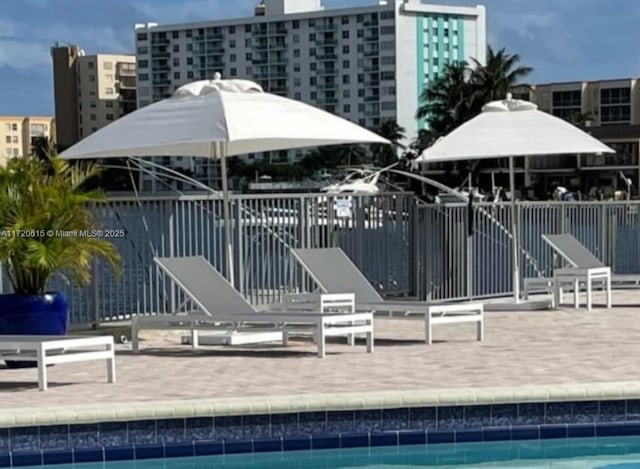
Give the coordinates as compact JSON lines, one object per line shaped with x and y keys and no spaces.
{"x":238,"y":247}
{"x":413,"y":247}
{"x":172,"y":242}
{"x":603,"y":235}
{"x":96,"y":296}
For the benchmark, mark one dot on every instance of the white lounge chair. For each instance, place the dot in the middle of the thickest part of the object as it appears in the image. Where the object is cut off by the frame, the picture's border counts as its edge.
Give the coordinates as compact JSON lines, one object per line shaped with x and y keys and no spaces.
{"x":584,"y":269}
{"x":221,"y":305}
{"x":334,"y":272}
{"x":49,"y":350}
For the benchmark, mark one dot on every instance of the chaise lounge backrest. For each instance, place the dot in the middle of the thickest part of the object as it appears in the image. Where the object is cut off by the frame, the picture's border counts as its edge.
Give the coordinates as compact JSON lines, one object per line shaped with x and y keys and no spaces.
{"x":573,"y":251}
{"x":334,"y":272}
{"x":204,"y":285}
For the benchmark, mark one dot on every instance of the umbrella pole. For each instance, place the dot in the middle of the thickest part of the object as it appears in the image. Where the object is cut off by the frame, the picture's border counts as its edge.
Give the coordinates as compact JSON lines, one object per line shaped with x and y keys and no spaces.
{"x":515,"y":249}
{"x":226,"y":215}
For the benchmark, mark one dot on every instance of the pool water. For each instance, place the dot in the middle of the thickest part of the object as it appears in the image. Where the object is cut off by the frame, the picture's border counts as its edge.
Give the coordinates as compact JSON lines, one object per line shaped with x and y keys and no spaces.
{"x":575,"y":453}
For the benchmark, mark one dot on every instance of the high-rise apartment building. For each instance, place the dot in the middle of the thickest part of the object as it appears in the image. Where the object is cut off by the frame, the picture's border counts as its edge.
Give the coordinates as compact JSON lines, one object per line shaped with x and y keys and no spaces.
{"x":367,"y":64}
{"x":90,"y":91}
{"x":19,"y":133}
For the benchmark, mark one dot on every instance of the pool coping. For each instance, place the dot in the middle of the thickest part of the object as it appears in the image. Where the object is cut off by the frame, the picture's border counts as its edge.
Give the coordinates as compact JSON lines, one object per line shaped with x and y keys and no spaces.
{"x":258,"y":405}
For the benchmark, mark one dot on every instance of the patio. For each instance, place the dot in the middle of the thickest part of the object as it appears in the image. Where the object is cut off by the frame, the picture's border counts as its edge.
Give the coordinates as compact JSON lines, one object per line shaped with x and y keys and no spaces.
{"x":533,"y":348}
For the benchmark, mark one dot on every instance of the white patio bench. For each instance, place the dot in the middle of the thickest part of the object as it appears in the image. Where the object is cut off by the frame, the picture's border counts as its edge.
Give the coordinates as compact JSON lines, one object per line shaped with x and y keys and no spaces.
{"x":50,"y":350}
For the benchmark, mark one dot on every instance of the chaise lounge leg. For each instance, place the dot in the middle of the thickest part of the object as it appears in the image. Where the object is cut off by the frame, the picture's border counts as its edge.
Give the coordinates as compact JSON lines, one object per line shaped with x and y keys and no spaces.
{"x":427,"y":329}
{"x":480,"y":330}
{"x":320,"y":341}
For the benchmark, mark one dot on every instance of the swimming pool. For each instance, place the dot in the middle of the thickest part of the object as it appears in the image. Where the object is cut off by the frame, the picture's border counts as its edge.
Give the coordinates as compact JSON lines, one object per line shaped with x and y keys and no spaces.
{"x":578,"y":453}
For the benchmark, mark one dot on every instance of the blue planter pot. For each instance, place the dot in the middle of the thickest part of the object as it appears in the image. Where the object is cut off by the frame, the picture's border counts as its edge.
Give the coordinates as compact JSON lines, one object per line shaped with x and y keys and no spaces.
{"x":33,"y":315}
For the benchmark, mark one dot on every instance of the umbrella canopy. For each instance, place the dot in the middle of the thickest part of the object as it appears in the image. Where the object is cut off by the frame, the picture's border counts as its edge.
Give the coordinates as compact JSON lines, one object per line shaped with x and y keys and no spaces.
{"x":512,"y":128}
{"x":216,"y":119}
{"x":236,"y":114}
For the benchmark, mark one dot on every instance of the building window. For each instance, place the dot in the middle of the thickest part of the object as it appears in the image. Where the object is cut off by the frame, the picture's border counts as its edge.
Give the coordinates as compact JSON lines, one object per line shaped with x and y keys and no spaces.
{"x":176,"y":75}
{"x":314,"y":95}
{"x":16,"y":152}
{"x":7,"y":127}
{"x":345,"y":64}
{"x":174,"y":34}
{"x":189,"y":47}
{"x":189,"y":33}
{"x":189,"y":60}
{"x":312,"y":37}
{"x":234,"y":72}
{"x":7,"y":139}
{"x":615,"y":105}
{"x":566,"y":104}
{"x":248,"y":56}
{"x":93,"y":117}
{"x":346,"y":108}
{"x":108,"y":90}
{"x":108,"y":65}
{"x":142,"y":36}
{"x":387,"y":15}
{"x":144,"y":77}
{"x":232,"y":58}
{"x":14,"y":127}
{"x":8,"y":152}
{"x":189,"y":74}
{"x":109,"y":117}
{"x":90,"y":65}
{"x":232,"y":43}
{"x":297,"y":96}
{"x":38,"y":130}
{"x":109,"y":103}
{"x":296,"y":52}
{"x":176,"y":48}
{"x":296,"y":68}
{"x":345,"y":79}
{"x":143,"y":63}
{"x":176,"y":62}
{"x":346,"y":94}
{"x":345,"y":34}
{"x":232,"y":29}
{"x":92,"y":104}
{"x":14,"y":139}
{"x":345,"y":20}
{"x":387,"y":30}
{"x":296,"y":81}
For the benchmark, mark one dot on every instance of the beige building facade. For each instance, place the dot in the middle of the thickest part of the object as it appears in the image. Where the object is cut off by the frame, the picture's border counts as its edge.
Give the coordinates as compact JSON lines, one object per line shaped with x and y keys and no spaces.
{"x":90,"y":91}
{"x":607,"y":109}
{"x":19,"y":133}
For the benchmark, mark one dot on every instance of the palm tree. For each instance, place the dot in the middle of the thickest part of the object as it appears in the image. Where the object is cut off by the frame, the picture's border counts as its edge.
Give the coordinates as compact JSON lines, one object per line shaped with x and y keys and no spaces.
{"x":46,"y":223}
{"x":582,"y":118}
{"x":459,"y":93}
{"x":385,"y":155}
{"x":446,"y":99}
{"x":492,"y":81}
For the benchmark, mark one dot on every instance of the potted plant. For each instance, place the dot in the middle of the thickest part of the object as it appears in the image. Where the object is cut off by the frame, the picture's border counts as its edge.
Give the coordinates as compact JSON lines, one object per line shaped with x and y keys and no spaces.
{"x":47,"y":228}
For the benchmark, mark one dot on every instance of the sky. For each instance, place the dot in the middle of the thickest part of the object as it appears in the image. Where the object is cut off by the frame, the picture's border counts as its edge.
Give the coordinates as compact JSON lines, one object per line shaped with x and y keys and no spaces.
{"x":563,"y":40}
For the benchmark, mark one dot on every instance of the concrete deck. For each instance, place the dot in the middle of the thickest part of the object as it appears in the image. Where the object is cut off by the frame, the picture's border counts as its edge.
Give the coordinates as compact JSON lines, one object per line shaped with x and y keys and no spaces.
{"x":535,"y":349}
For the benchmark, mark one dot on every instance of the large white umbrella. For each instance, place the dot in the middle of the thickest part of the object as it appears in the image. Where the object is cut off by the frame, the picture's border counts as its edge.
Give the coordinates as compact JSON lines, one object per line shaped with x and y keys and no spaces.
{"x":216,"y":119}
{"x":512,"y":128}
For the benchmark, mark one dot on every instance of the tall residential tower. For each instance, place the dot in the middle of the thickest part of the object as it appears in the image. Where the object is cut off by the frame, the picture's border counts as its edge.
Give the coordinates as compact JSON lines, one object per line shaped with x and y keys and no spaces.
{"x":367,"y":64}
{"x":90,"y":91}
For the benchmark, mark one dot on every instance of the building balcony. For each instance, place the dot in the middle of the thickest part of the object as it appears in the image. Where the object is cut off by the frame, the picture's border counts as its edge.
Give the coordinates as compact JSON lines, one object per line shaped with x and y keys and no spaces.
{"x":161,"y":82}
{"x":326,"y":101}
{"x":371,"y":24}
{"x":327,"y":86}
{"x":327,"y":42}
{"x":371,"y":84}
{"x":327,"y":72}
{"x":325,"y":57}
{"x":369,"y":99}
{"x":160,"y":41}
{"x":126,"y":70}
{"x":371,"y":53}
{"x":214,"y":37}
{"x":373,"y":38}
{"x":326,"y":27}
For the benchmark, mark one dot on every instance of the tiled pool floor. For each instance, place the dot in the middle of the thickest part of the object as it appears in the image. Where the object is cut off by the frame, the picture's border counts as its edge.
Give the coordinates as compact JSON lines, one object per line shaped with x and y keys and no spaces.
{"x":526,"y":348}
